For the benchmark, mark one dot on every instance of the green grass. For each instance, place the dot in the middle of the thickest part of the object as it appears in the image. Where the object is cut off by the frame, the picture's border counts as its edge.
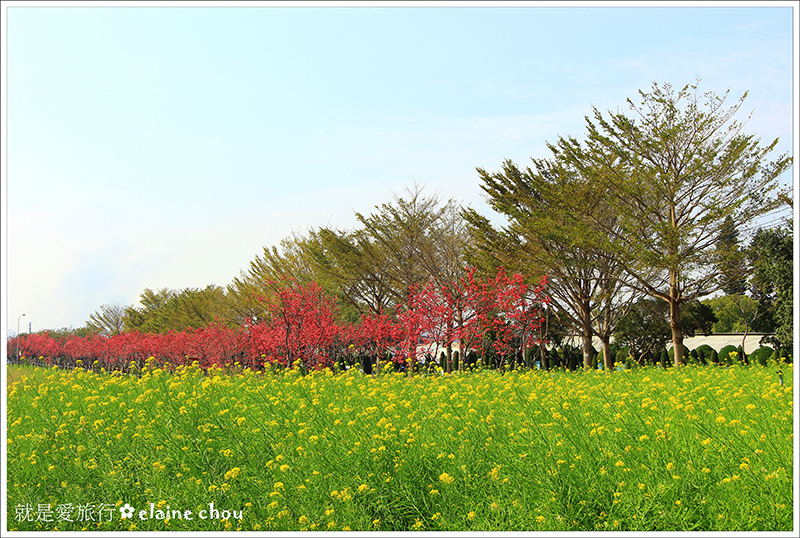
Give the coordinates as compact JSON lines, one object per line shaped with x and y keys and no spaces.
{"x":696,"y":448}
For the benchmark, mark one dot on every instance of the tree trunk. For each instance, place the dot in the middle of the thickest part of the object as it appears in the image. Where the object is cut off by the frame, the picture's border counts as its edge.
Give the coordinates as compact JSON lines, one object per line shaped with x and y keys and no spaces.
{"x":677,"y":330}
{"x":587,"y":332}
{"x":449,"y":337}
{"x":608,"y":361}
{"x":449,"y":357}
{"x":545,"y":358}
{"x":461,"y":351}
{"x":674,"y":300}
{"x":588,"y":351}
{"x":746,"y":331}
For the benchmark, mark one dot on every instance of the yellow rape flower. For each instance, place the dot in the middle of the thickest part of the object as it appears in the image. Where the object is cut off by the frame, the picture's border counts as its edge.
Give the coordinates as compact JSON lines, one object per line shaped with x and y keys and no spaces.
{"x":233,"y":473}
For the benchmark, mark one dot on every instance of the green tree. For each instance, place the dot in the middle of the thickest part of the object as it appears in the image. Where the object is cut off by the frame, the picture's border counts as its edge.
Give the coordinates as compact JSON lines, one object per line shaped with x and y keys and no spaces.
{"x":170,"y":310}
{"x":108,"y":321}
{"x":698,"y":318}
{"x":771,"y":255}
{"x":732,"y":264}
{"x":403,"y":236}
{"x":674,"y":172}
{"x":739,"y":314}
{"x":192,"y":308}
{"x":644,"y":328}
{"x":151,"y":316}
{"x":349,"y":262}
{"x":585,"y":283}
{"x":266,"y":275}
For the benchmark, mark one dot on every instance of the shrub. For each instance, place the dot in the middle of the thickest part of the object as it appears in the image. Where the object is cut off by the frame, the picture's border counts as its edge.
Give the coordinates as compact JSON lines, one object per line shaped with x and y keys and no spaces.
{"x":761,"y":355}
{"x":705,"y":352}
{"x":622,"y":356}
{"x":725,"y":354}
{"x":782,"y":354}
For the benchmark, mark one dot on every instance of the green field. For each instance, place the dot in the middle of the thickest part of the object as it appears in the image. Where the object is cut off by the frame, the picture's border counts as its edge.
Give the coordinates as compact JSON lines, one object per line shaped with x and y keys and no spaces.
{"x":695,"y":448}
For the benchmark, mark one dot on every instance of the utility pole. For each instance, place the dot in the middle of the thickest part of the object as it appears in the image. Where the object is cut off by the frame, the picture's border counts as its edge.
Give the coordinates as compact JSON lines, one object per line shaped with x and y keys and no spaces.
{"x":18,"y":319}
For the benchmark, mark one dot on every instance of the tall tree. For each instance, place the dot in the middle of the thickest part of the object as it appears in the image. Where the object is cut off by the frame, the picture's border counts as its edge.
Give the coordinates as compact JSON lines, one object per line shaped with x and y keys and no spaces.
{"x":109,"y":320}
{"x":170,"y":310}
{"x":444,"y":260}
{"x":585,"y":282}
{"x":732,"y":263}
{"x":272,"y":268}
{"x":674,"y":170}
{"x":772,"y":285}
{"x":644,"y":329}
{"x":739,"y":313}
{"x":403,"y":235}
{"x":151,"y":316}
{"x":347,"y":261}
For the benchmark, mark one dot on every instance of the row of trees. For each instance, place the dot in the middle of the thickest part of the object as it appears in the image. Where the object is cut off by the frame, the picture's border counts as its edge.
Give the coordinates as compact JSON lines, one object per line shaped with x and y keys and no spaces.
{"x":500,"y":316}
{"x":633,"y":225}
{"x":647,"y":205}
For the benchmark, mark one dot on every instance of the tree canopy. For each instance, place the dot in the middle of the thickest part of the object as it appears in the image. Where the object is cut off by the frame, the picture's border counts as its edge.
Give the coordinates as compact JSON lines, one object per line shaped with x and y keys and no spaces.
{"x":673,"y":171}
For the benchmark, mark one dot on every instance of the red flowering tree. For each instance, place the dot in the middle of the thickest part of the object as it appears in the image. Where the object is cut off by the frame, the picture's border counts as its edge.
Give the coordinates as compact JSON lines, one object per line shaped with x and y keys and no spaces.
{"x":36,"y":347}
{"x":213,"y":345}
{"x":302,"y":327}
{"x":373,"y":336}
{"x":520,"y":311}
{"x":502,"y":310}
{"x":435,"y":316}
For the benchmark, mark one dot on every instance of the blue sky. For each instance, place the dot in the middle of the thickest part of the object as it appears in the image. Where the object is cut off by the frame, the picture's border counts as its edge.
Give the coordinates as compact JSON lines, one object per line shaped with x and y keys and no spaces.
{"x":156,"y":146}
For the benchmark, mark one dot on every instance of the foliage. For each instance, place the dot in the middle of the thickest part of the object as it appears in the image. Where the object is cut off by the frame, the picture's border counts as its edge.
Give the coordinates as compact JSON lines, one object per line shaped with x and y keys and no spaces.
{"x":108,"y":321}
{"x":214,"y":345}
{"x":730,"y":354}
{"x":704,"y":354}
{"x":276,"y":263}
{"x":644,"y":328}
{"x":347,"y":261}
{"x":586,"y":284}
{"x":735,"y":313}
{"x":166,"y":310}
{"x":412,"y":240}
{"x":302,"y":327}
{"x":772,"y":281}
{"x":673,"y":173}
{"x":373,"y":336}
{"x":761,"y":355}
{"x":731,"y":261}
{"x":698,"y":318}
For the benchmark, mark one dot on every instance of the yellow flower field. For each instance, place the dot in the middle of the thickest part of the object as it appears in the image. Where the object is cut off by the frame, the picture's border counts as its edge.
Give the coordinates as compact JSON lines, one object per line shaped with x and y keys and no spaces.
{"x":695,"y":448}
